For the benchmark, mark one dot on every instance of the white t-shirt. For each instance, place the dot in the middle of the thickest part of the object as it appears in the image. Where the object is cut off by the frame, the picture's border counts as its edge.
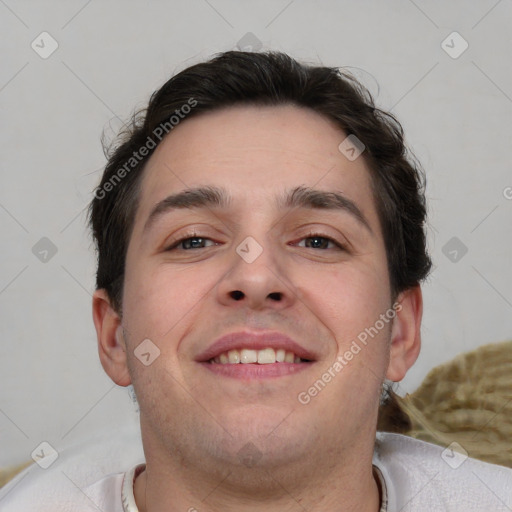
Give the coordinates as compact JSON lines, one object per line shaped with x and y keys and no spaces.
{"x":415,"y":477}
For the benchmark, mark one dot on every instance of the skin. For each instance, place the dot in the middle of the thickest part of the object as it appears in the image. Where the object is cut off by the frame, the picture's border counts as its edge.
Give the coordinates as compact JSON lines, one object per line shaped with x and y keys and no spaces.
{"x":194,"y":423}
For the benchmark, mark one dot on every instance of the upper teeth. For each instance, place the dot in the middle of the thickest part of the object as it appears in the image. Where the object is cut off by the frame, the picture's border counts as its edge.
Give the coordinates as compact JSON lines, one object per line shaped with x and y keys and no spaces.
{"x":265,"y":356}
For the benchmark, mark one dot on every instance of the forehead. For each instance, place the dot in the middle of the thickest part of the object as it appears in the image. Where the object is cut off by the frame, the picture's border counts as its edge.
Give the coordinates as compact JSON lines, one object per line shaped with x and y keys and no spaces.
{"x":255,"y":152}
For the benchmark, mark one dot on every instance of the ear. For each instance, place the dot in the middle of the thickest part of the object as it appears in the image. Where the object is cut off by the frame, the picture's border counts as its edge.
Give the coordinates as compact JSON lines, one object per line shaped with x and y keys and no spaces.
{"x":405,"y":333}
{"x":111,"y":343}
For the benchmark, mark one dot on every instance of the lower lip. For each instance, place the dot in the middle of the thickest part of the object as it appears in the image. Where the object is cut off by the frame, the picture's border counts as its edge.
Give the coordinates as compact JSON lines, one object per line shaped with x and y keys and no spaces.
{"x":256,"y":371}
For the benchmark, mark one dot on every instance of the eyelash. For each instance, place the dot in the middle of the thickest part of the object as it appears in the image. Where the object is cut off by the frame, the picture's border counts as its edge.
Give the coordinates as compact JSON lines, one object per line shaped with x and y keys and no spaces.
{"x":191,"y":236}
{"x":338,"y":245}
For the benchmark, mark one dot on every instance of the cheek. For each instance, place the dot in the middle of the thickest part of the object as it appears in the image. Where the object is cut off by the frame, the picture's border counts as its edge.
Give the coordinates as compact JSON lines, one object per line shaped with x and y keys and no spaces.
{"x":352,"y":300}
{"x":353,"y":303}
{"x":160,"y":302}
{"x":348,"y":299}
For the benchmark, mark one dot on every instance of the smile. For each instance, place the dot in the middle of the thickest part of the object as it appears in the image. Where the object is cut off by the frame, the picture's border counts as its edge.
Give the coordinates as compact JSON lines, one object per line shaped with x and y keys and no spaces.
{"x":250,"y":356}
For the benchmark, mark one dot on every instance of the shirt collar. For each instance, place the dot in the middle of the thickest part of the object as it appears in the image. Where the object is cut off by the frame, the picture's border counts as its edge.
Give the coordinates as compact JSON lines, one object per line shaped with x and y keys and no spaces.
{"x":127,"y":496}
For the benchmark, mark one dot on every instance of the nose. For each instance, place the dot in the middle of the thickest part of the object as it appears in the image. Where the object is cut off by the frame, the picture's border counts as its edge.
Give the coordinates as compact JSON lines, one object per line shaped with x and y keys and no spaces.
{"x":260,"y":283}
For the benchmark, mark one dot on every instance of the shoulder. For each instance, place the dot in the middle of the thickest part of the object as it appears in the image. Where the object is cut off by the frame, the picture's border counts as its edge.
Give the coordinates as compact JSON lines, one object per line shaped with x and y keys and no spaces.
{"x":422,"y":476}
{"x":60,"y":493}
{"x":84,"y":477}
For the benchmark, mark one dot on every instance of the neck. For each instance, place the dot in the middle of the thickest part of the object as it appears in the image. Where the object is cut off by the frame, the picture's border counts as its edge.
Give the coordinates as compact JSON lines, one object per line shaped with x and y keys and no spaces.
{"x":347,"y":486}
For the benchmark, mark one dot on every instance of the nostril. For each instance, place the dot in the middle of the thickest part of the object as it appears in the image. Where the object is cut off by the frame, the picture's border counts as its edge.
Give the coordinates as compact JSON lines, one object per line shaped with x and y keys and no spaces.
{"x":237,"y":295}
{"x":275,"y":296}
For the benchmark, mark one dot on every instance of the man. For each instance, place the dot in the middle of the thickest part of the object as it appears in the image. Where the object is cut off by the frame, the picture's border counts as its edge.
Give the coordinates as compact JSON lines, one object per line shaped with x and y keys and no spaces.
{"x":261,"y":245}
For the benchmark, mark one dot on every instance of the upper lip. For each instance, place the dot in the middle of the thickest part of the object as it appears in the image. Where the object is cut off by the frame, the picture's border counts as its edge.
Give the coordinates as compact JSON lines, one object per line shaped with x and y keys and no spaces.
{"x":254,"y":341}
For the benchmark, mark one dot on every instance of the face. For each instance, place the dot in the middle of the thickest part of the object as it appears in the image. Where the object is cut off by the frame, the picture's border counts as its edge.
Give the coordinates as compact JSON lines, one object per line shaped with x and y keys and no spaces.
{"x":277,"y":254}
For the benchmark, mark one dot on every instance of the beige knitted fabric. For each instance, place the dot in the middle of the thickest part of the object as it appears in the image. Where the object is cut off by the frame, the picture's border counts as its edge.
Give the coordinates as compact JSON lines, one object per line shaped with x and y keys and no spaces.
{"x":467,"y":400}
{"x":10,"y":472}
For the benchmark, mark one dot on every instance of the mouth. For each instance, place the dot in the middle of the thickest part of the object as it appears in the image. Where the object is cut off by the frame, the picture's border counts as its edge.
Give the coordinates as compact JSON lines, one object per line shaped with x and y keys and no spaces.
{"x":256,"y":355}
{"x":268,"y":355}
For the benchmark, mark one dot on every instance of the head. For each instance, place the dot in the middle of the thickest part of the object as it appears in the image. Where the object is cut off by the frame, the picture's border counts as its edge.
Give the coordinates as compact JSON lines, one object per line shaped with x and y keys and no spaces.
{"x":230,"y":206}
{"x":265,"y":79}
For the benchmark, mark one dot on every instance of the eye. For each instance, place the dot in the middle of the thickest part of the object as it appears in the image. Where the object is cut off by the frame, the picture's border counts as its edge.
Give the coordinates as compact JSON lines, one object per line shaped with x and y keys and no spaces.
{"x":191,"y":242}
{"x":314,"y":241}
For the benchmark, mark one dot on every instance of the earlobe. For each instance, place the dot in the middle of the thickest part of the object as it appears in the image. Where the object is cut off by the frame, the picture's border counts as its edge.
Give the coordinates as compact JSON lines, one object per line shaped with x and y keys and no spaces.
{"x":111,"y":342}
{"x":405,"y":334}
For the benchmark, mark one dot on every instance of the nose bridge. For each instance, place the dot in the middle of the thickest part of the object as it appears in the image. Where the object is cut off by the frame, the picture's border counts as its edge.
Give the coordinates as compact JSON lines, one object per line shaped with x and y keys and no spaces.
{"x":256,"y":276}
{"x":256,"y":245}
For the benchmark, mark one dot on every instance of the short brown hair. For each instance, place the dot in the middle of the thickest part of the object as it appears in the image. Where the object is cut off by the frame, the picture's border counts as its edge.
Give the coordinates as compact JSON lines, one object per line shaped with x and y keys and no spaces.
{"x":266,"y":79}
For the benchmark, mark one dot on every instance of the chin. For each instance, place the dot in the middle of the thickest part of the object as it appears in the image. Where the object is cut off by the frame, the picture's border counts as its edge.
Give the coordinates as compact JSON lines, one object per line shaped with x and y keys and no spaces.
{"x":265,"y":437}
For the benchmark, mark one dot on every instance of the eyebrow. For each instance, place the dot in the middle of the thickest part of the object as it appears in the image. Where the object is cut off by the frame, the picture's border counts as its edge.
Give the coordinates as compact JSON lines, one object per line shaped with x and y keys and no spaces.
{"x":305,"y":197}
{"x":199,"y":197}
{"x":217,"y":197}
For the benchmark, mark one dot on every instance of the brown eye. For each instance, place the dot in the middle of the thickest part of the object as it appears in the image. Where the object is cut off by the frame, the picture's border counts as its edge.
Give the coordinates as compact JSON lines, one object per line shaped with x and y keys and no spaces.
{"x":317,"y":242}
